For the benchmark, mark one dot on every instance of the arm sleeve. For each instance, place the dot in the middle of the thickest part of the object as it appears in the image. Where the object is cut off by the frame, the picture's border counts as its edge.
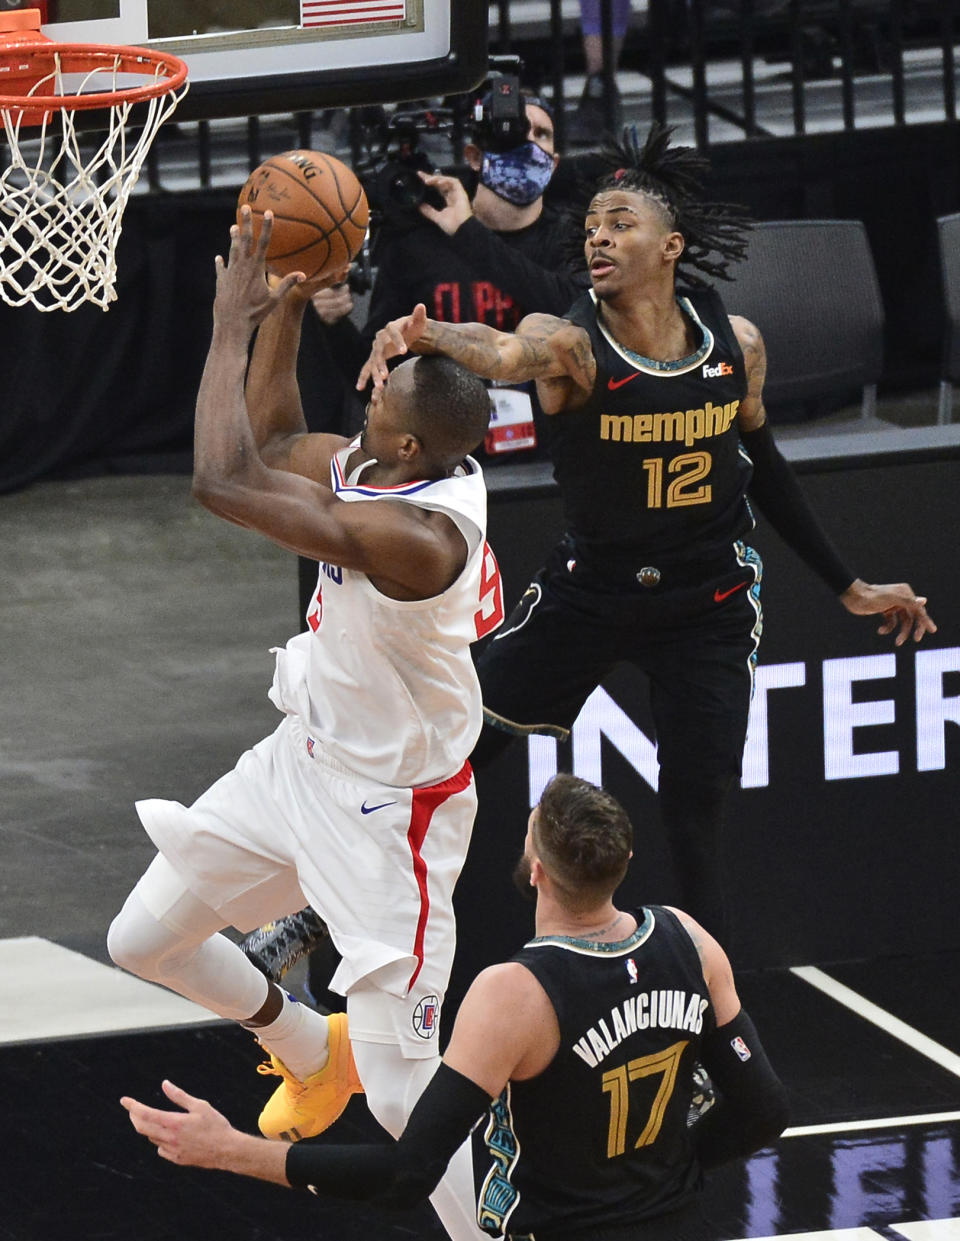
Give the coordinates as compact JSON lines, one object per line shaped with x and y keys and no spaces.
{"x":546,"y":290}
{"x":397,"y":1174}
{"x":751,"y":1110}
{"x":776,"y":490}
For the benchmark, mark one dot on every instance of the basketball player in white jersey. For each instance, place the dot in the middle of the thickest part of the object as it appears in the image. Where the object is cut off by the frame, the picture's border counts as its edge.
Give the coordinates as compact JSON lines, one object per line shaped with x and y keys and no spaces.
{"x":362,"y":801}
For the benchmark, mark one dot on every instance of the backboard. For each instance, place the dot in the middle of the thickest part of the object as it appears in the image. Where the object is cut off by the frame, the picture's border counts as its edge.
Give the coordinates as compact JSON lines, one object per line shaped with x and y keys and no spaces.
{"x":251,"y":57}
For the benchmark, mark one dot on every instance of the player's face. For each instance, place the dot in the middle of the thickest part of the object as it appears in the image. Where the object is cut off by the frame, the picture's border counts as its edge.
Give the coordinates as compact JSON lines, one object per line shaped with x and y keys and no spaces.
{"x":385,"y":425}
{"x":628,"y":242}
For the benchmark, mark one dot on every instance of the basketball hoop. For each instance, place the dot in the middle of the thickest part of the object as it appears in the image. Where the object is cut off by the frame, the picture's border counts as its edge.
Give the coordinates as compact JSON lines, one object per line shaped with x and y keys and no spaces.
{"x":63,"y":193}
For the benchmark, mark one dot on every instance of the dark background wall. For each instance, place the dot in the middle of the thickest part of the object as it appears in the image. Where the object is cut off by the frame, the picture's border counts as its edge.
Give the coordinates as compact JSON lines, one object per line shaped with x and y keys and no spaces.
{"x":897,"y":181}
{"x":818,"y":869}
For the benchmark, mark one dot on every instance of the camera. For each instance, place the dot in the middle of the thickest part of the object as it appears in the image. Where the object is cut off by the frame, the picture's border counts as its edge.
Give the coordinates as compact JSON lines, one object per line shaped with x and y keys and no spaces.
{"x":393,"y":157}
{"x":388,"y":150}
{"x":499,"y":118}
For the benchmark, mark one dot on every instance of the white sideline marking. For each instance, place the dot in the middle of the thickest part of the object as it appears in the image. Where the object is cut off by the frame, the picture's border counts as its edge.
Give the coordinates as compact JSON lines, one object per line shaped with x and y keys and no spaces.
{"x":834,"y":1234}
{"x":51,"y":992}
{"x":921,"y":1230}
{"x":871,"y":1012}
{"x":930,"y":1230}
{"x":883,"y":1122}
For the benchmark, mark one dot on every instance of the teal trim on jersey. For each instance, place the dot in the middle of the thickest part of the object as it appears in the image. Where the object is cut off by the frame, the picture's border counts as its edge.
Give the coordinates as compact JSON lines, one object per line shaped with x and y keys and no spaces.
{"x":594,"y":948}
{"x":652,"y":366}
{"x":498,"y":1196}
{"x":750,"y":558}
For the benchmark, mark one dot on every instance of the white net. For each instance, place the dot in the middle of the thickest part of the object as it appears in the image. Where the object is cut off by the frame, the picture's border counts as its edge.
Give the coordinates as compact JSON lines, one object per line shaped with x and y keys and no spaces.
{"x":63,"y":192}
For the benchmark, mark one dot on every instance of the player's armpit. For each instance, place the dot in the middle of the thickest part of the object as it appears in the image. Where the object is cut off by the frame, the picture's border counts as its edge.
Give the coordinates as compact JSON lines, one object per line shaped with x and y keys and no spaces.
{"x":308,"y":454}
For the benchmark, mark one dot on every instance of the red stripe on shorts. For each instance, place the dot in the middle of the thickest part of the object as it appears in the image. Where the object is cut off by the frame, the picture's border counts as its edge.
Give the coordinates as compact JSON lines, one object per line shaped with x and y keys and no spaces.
{"x":425,"y":802}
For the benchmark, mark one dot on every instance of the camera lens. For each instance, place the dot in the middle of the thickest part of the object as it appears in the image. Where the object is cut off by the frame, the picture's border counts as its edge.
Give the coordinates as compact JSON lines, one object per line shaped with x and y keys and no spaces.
{"x":400,"y":186}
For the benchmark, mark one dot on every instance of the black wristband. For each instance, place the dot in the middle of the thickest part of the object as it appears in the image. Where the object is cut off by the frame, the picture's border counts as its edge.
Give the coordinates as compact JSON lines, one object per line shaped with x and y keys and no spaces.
{"x":751,"y":1110}
{"x":775,"y":488}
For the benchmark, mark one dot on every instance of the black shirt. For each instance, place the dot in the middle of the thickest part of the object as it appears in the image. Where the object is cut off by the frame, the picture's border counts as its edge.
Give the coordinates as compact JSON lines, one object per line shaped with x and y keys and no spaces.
{"x":600,"y":1137}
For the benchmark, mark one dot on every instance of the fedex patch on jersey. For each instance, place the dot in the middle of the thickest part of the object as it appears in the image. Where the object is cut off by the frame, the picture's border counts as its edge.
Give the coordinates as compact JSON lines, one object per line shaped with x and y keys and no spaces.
{"x":740,"y":1047}
{"x":426,"y":1017}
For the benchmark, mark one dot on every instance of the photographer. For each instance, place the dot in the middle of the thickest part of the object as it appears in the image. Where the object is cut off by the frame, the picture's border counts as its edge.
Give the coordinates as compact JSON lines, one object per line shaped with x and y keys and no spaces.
{"x":490,"y":258}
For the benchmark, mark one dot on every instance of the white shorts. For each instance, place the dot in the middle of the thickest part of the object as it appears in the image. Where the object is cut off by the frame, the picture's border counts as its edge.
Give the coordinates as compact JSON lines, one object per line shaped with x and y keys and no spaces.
{"x":291,"y":826}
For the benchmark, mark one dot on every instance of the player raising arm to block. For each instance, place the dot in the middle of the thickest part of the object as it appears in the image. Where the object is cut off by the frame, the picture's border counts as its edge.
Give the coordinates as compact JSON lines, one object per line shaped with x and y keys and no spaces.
{"x":660,"y":444}
{"x":362,"y":800}
{"x":578,"y":1055}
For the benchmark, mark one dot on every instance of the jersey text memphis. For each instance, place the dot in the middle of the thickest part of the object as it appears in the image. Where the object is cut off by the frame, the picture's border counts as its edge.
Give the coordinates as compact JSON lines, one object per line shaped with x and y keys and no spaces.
{"x":648,"y":1010}
{"x":684,"y":426}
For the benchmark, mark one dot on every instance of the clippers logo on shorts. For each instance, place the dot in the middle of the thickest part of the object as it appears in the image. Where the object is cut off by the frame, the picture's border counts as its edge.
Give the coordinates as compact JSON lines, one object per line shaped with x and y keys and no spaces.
{"x":426,"y":1017}
{"x":632,"y":970}
{"x":740,"y":1047}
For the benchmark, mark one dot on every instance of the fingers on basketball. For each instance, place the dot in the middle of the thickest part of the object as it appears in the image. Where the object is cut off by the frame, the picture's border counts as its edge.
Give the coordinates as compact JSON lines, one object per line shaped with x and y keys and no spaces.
{"x":320,"y":212}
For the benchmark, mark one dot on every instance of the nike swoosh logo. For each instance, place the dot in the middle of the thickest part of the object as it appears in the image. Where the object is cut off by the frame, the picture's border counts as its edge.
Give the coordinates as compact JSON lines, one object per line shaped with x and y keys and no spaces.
{"x":614,"y":384}
{"x":720,"y":595}
{"x":365,"y":809}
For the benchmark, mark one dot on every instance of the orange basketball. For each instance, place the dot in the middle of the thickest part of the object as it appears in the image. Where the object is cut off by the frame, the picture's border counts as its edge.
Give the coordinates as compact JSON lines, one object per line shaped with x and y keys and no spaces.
{"x":319,"y":207}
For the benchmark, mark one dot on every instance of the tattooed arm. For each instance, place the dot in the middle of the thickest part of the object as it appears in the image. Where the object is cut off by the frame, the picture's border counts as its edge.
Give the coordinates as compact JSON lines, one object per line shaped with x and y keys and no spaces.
{"x":543,"y":348}
{"x":752,"y":413}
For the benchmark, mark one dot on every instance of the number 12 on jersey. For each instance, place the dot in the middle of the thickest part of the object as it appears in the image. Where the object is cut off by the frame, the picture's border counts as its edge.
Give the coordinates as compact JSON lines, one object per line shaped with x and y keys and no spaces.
{"x":690,"y":468}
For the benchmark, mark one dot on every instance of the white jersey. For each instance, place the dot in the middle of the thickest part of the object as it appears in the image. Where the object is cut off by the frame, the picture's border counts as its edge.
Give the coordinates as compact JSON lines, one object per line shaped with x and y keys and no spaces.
{"x":388,"y":687}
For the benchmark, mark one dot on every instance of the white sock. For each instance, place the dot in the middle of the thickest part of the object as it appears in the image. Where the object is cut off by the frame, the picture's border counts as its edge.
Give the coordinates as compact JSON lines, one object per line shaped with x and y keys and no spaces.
{"x":298,"y":1037}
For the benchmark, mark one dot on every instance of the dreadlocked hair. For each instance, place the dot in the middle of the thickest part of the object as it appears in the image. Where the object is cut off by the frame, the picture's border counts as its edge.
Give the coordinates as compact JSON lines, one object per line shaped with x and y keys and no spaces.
{"x":671,"y":177}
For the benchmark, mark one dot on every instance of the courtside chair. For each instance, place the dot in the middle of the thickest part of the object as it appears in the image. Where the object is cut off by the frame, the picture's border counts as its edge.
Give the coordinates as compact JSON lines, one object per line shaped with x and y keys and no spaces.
{"x":948,"y":237}
{"x":811,"y":288}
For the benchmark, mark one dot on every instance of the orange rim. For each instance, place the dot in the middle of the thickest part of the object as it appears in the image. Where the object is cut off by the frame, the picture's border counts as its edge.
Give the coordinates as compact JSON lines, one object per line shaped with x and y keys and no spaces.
{"x":37,"y":58}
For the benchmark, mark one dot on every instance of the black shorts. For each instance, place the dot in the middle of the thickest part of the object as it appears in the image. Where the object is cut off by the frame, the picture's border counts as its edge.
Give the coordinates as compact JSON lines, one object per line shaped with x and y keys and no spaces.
{"x":694,"y":634}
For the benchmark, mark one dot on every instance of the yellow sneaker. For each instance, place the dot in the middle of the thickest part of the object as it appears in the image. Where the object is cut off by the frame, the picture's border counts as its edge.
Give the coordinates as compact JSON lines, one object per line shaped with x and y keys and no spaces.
{"x":302,"y":1109}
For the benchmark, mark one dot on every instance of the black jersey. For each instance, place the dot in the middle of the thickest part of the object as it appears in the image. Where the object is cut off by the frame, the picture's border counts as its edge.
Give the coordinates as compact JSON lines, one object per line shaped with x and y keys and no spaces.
{"x":600,"y":1137}
{"x":651,"y":469}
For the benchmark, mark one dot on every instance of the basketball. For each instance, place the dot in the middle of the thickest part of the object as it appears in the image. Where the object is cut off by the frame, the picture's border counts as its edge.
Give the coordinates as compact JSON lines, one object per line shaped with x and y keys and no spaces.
{"x":319,"y":207}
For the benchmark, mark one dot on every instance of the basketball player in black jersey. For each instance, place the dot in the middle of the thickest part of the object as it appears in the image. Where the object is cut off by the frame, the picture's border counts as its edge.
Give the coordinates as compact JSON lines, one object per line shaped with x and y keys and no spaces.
{"x":660,"y":443}
{"x":576,"y":1056}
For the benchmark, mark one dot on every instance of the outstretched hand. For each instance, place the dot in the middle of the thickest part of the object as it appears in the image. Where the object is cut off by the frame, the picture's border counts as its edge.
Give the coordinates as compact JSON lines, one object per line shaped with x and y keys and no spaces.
{"x":902,"y":610}
{"x":197,"y":1135}
{"x":244,"y":297}
{"x":393,"y":339}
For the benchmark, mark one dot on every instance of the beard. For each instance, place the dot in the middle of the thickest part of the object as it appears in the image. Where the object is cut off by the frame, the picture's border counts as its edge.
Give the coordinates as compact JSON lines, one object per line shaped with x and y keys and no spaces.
{"x":521,"y":879}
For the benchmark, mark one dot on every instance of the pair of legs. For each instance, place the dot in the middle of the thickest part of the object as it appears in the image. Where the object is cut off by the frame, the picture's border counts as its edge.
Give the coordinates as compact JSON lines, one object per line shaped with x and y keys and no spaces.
{"x":569,"y":630}
{"x":242,"y":846}
{"x":591,"y":28}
